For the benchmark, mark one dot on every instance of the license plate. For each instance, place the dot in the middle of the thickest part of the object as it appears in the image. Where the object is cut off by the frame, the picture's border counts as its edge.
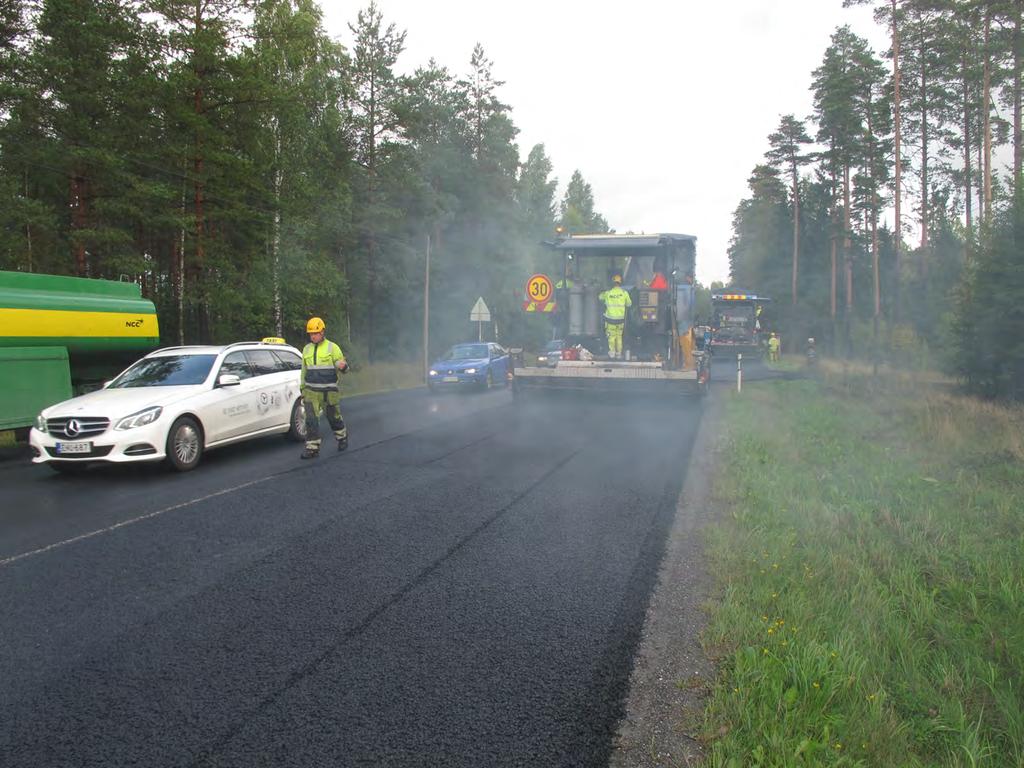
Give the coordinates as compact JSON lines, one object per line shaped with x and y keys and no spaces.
{"x":74,"y":448}
{"x":451,"y":379}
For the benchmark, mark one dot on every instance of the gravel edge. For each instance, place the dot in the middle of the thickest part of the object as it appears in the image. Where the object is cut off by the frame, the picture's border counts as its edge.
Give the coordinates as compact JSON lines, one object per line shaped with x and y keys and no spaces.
{"x":669,"y":683}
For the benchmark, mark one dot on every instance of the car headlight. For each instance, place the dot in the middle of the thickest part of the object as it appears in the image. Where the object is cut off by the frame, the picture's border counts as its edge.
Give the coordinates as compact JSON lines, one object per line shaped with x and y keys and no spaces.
{"x":41,"y":423}
{"x":542,"y":359}
{"x":470,"y":370}
{"x":433,"y":372}
{"x":140,"y":419}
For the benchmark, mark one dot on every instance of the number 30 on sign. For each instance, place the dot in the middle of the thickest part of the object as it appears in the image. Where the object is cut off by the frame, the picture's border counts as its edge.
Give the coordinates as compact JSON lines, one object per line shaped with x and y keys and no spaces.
{"x":540,"y":289}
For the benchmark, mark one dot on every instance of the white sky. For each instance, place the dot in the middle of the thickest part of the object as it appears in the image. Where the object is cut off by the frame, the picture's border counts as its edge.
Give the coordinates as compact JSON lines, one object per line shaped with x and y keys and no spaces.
{"x":664,"y":106}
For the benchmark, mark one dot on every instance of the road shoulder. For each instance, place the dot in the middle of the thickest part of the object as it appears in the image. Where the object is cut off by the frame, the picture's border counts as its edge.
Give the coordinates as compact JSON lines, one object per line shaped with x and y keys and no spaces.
{"x":671,"y":672}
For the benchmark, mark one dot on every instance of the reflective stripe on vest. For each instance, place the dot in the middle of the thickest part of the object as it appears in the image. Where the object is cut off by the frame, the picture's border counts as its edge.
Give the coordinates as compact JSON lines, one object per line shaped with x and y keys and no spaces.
{"x":321,"y":377}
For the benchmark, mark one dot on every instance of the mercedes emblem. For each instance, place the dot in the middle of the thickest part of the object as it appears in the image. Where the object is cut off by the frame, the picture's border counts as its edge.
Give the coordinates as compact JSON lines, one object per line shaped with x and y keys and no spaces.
{"x":72,"y":428}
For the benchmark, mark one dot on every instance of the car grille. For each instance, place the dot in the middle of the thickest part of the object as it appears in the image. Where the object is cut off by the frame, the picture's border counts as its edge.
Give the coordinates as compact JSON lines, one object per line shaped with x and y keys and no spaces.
{"x":81,"y":426}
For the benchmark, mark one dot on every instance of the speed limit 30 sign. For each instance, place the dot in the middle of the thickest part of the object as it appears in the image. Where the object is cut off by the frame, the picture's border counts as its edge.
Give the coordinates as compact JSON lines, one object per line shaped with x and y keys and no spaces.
{"x":539,"y":290}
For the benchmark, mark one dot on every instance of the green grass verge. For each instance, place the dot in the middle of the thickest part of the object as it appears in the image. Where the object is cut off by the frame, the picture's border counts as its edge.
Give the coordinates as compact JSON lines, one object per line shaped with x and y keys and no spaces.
{"x":381,"y":377}
{"x":872,"y":569}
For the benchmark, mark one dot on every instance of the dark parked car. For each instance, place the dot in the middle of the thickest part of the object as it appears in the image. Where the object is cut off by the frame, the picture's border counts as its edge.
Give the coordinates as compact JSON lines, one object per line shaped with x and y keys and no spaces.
{"x":551,"y":353}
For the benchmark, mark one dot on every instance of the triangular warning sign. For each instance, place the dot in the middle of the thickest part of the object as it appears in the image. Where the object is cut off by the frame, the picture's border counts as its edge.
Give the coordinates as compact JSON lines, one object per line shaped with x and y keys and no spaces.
{"x":480,"y":312}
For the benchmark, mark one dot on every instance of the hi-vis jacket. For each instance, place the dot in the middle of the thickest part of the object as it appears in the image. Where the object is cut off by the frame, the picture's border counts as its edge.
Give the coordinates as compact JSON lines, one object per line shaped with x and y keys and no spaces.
{"x":319,"y":366}
{"x":615,"y":302}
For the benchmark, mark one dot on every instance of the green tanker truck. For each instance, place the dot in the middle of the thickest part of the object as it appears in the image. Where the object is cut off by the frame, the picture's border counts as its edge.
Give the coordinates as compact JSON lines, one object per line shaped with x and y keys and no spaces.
{"x":60,"y":336}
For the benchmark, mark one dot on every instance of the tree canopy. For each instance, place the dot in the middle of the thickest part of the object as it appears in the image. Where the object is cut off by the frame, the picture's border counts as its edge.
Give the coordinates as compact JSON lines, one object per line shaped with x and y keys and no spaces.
{"x":249,"y":171}
{"x":917,"y":137}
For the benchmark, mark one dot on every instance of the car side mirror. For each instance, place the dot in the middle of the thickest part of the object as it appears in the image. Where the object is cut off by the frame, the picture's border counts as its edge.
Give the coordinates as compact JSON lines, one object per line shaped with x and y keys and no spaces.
{"x":228,"y":380}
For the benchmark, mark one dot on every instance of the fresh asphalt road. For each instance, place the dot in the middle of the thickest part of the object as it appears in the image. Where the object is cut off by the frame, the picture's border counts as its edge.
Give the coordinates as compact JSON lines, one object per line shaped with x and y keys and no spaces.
{"x":465,"y":586}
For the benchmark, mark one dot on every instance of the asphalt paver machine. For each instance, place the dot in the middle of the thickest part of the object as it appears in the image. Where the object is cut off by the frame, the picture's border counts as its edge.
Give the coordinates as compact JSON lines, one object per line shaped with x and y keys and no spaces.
{"x":659,"y":350}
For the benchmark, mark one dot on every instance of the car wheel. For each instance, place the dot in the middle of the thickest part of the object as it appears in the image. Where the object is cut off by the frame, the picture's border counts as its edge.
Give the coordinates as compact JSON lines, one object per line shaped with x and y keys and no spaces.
{"x":489,"y":381}
{"x":297,"y":426}
{"x":184,"y":444}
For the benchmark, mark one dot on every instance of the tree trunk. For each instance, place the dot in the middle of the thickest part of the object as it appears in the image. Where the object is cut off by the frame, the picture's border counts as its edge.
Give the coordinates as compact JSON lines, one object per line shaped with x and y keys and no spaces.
{"x":199,"y":267}
{"x":180,"y":255}
{"x":872,"y":166}
{"x":875,"y":259}
{"x":832,"y":290}
{"x":28,"y":228}
{"x":79,"y":219}
{"x":796,"y":226}
{"x":878,"y":285}
{"x":343,"y":258}
{"x":986,"y":117}
{"x":1018,"y":149}
{"x":847,"y":241}
{"x":835,"y":331}
{"x":979,"y":154}
{"x":371,"y":233}
{"x":897,"y":74}
{"x":275,"y":240}
{"x":923,"y":52}
{"x":968,"y":202}
{"x":371,"y":250}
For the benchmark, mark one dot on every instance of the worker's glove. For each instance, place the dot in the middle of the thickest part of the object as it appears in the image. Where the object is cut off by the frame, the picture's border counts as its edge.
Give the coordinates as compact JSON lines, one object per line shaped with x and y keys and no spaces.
{"x":343,"y":367}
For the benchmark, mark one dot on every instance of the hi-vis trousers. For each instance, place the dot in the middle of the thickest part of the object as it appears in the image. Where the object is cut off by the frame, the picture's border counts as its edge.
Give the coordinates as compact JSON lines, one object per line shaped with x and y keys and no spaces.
{"x":614,"y":333}
{"x":317,"y":403}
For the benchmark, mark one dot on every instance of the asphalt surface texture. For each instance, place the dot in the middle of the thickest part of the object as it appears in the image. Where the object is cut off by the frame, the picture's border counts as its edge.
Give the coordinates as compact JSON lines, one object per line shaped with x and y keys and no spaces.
{"x":465,"y":586}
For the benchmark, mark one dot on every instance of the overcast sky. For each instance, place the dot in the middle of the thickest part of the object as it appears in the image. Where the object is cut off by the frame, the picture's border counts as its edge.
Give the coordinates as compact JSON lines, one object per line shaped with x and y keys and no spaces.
{"x":665,"y":107}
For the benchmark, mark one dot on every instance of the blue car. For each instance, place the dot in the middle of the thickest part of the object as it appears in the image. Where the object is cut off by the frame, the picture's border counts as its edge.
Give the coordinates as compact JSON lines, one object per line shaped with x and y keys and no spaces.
{"x":480,"y":365}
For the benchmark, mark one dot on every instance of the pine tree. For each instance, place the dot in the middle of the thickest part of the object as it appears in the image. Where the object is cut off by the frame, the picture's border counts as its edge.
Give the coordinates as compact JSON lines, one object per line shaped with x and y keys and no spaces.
{"x":536,"y":194}
{"x":377,"y":94}
{"x":576,"y":211}
{"x":786,"y":154}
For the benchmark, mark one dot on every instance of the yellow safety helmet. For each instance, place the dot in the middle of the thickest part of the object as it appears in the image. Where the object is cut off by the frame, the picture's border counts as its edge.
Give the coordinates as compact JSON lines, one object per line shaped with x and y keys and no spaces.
{"x":617,"y":279}
{"x":315,"y":325}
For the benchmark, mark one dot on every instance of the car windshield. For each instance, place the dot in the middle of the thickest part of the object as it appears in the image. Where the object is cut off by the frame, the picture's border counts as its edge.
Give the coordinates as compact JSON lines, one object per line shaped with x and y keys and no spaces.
{"x":553,"y":346}
{"x":467,"y":352}
{"x":169,"y":371}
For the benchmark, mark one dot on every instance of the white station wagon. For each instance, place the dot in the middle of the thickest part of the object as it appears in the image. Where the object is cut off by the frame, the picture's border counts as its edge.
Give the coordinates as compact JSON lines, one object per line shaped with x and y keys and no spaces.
{"x":174,"y":404}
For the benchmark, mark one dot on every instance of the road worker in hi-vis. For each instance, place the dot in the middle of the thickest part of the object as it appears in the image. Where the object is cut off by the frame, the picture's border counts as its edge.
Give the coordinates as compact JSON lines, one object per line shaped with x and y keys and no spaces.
{"x":323,"y":362}
{"x":616,"y":302}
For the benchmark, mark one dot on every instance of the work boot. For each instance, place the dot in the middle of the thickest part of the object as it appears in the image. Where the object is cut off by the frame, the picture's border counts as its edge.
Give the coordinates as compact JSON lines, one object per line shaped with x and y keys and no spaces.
{"x":311,"y":453}
{"x":342,"y":444}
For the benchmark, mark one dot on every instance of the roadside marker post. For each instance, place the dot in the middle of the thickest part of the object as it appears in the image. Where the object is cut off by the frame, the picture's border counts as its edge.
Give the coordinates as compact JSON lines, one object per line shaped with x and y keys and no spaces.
{"x":739,"y":373}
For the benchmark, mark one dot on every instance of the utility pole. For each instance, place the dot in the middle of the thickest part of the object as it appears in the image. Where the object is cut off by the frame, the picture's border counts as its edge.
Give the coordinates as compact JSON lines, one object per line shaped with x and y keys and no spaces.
{"x":426,"y":316}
